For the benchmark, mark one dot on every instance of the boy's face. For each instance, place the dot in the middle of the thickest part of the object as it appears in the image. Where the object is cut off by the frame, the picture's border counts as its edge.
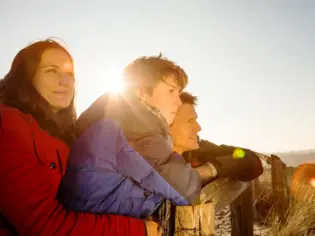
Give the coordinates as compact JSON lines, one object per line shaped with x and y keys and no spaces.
{"x":165,"y":97}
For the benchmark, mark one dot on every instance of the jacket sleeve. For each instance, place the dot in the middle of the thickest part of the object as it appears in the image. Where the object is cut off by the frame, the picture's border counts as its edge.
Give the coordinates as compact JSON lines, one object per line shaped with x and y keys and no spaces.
{"x":27,"y":198}
{"x":130,"y":162}
{"x":171,"y":166}
{"x":209,"y":151}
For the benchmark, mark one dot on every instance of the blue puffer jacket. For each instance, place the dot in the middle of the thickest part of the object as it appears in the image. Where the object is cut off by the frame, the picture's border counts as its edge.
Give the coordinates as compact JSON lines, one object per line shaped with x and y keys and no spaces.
{"x":105,"y":175}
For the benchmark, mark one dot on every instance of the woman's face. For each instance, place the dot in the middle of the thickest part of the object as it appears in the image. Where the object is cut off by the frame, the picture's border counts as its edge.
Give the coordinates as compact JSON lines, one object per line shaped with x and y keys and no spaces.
{"x":54,"y":78}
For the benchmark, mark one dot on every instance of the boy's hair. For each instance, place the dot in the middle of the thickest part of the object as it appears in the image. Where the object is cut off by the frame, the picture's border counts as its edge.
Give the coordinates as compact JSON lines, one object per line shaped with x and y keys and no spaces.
{"x":146,"y":72}
{"x":188,"y":98}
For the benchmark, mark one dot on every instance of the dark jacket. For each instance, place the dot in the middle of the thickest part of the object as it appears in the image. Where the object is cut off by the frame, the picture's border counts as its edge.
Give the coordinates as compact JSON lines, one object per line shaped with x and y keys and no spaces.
{"x":248,"y":168}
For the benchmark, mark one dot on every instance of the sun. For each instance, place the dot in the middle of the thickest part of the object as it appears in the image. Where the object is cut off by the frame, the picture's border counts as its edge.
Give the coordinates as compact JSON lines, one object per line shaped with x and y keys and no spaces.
{"x":113,"y":77}
{"x":102,"y":80}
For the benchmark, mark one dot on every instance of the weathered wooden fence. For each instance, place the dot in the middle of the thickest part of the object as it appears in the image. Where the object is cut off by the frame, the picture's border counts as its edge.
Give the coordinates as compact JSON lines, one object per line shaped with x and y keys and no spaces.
{"x":198,"y":220}
{"x":194,"y":220}
{"x":242,"y":213}
{"x":279,"y":188}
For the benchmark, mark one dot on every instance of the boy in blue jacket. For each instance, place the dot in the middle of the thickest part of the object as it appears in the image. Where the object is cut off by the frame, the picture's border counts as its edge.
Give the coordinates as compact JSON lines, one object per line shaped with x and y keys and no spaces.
{"x":123,"y":160}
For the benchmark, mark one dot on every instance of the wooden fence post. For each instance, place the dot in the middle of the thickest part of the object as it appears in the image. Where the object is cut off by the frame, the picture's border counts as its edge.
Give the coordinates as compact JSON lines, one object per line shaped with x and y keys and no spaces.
{"x":242,"y":214}
{"x":279,"y":187}
{"x":194,"y":220}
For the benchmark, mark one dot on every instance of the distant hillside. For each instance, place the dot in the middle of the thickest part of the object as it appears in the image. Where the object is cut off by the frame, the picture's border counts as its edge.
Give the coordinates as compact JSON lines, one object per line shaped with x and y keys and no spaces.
{"x":296,"y":158}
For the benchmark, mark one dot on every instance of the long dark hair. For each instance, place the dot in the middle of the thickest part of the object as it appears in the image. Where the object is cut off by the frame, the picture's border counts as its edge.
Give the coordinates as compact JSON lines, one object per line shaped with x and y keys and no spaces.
{"x":17,"y":90}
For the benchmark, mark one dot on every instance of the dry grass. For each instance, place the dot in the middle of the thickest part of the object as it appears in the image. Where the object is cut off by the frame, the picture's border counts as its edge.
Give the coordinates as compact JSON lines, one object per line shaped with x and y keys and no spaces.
{"x":300,"y":217}
{"x":264,"y":201}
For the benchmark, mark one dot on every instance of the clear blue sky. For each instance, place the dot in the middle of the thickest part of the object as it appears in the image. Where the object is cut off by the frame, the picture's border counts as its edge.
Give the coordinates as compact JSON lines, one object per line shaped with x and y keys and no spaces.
{"x":252,"y":63}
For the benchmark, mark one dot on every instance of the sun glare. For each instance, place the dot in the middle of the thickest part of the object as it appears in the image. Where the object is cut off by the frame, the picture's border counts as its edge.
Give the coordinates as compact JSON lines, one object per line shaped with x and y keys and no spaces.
{"x":312,"y":182}
{"x":113,"y":78}
{"x":107,"y":79}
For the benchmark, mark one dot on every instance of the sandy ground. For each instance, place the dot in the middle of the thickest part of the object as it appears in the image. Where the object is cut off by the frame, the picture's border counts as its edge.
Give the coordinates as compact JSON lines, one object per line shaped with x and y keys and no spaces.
{"x":223,"y":218}
{"x":223,"y":225}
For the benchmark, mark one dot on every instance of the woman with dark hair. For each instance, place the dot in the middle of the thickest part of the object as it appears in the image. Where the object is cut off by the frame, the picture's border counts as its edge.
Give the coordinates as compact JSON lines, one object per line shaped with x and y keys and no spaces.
{"x":37,"y":117}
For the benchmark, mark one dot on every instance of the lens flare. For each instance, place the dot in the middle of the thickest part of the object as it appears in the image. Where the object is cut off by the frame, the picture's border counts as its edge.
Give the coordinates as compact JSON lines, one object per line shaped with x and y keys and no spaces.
{"x":238,"y":153}
{"x":303,"y":179}
{"x":312,"y":182}
{"x":113,"y":75}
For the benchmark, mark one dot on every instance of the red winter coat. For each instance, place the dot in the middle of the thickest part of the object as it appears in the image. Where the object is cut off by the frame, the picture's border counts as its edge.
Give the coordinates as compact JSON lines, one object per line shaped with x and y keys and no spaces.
{"x":32,"y":164}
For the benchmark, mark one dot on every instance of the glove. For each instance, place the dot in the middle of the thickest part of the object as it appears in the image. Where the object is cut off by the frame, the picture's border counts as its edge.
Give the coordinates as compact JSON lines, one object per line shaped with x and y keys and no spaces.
{"x":242,"y":165}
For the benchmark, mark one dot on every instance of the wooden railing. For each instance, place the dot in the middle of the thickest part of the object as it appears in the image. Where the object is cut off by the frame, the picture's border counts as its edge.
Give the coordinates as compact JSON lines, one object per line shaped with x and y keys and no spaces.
{"x":198,"y":220}
{"x":194,"y":220}
{"x":242,"y":214}
{"x":242,"y":208}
